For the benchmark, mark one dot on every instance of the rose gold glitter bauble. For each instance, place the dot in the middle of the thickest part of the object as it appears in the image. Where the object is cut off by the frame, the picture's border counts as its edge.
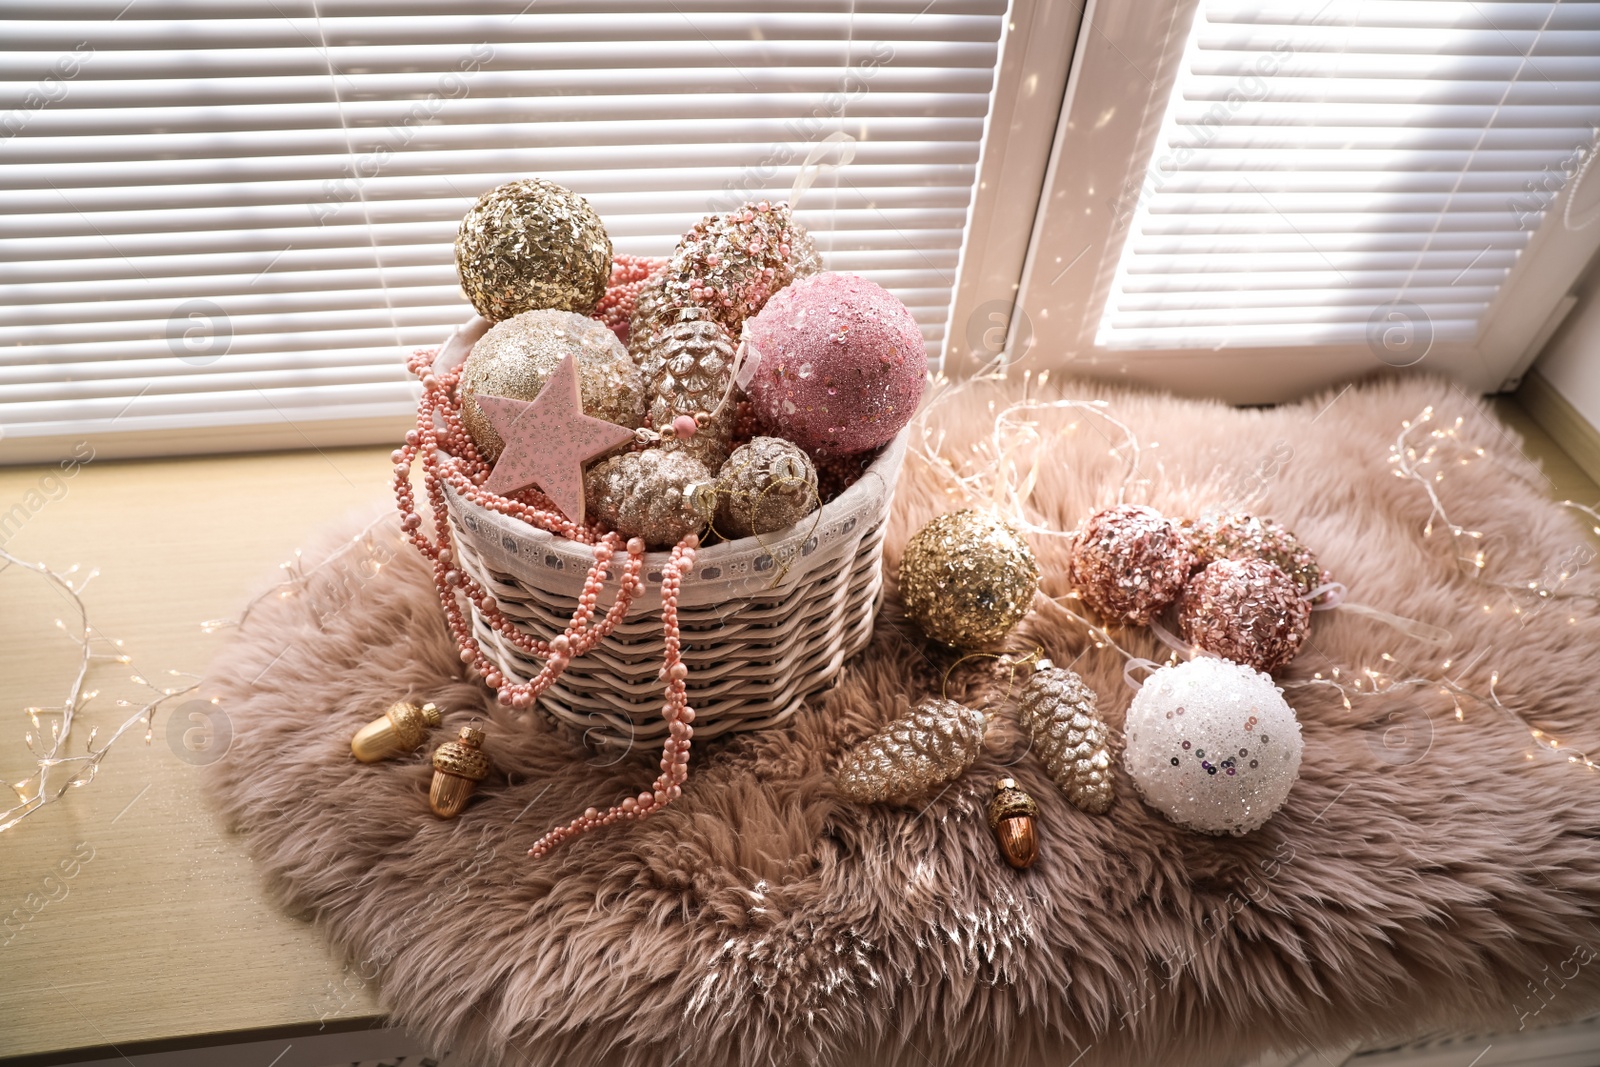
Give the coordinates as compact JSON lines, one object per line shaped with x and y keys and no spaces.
{"x":967,"y":578}
{"x":1129,"y":562}
{"x":532,"y":244}
{"x":1244,"y":536}
{"x":1245,"y":610}
{"x":659,"y":496}
{"x":516,"y":357}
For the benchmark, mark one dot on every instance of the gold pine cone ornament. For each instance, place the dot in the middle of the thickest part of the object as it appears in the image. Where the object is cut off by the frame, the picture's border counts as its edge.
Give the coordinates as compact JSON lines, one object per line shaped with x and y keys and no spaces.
{"x":930,"y":746}
{"x":1058,"y":710}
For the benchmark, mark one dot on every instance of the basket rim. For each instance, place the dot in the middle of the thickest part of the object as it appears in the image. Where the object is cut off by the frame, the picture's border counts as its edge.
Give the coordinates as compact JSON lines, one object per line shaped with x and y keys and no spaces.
{"x":889,"y":459}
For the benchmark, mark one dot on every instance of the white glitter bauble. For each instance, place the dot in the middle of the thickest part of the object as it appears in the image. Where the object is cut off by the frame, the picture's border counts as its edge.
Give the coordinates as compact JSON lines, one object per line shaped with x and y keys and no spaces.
{"x":1212,"y":745}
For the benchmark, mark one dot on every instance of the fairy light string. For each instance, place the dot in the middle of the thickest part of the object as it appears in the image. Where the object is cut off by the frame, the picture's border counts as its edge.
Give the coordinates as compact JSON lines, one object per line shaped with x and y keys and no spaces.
{"x":56,"y":767}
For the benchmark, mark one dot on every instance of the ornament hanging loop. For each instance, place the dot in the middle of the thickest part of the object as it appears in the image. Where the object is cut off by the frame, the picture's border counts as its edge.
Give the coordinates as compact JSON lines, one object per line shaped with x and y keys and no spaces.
{"x":813,"y":167}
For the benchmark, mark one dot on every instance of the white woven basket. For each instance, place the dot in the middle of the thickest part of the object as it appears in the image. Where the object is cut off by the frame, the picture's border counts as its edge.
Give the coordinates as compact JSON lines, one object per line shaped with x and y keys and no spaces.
{"x":764,"y":623}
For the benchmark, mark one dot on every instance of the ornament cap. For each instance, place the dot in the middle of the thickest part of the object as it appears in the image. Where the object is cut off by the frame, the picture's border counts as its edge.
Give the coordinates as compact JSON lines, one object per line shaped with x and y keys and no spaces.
{"x":1013,"y":816}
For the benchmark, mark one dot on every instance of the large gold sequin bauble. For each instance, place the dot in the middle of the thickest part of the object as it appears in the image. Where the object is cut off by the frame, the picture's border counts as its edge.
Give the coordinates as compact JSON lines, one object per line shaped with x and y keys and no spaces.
{"x":532,"y":244}
{"x":517,"y":356}
{"x":967,"y":578}
{"x":767,"y":485}
{"x":689,"y":366}
{"x":1058,"y":710}
{"x":659,"y":496}
{"x":914,"y":755}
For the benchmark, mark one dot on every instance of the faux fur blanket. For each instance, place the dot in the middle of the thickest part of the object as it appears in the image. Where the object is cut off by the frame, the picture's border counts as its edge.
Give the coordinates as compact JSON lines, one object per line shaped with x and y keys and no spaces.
{"x":1429,"y":871}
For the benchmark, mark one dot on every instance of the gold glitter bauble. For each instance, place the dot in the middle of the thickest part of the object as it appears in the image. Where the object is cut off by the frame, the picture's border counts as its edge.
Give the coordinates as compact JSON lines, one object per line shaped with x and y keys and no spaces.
{"x":767,"y":485}
{"x":659,"y":496}
{"x":532,"y":244}
{"x":689,"y":365}
{"x":913,"y":755}
{"x":1058,"y":710}
{"x":517,"y":356}
{"x":967,"y":578}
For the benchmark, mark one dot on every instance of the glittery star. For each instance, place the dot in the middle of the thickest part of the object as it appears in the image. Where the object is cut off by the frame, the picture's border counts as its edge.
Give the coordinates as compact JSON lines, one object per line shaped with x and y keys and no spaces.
{"x":548,"y":440}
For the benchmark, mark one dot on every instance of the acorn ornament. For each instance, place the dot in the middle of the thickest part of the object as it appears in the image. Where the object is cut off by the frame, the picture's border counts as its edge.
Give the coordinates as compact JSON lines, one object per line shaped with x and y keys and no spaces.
{"x":458,"y":767}
{"x":1058,"y":710}
{"x":929,"y":747}
{"x":1014,"y":817}
{"x":397,"y":731}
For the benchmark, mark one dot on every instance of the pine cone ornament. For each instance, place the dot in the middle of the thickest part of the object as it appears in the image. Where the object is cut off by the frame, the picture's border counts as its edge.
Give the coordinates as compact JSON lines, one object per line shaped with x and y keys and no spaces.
{"x":659,"y":496}
{"x":932,"y":745}
{"x":1058,"y":710}
{"x":690,"y":364}
{"x":647,"y":316}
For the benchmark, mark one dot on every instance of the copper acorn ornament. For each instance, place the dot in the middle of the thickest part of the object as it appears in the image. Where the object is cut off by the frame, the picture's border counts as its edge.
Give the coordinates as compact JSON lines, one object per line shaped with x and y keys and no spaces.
{"x":915,"y":754}
{"x":399,"y":730}
{"x":1013,"y":816}
{"x":1058,"y":710}
{"x":458,"y":767}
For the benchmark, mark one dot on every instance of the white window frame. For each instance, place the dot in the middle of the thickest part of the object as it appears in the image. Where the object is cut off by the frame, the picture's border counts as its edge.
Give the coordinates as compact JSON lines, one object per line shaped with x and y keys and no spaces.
{"x":1083,"y":217}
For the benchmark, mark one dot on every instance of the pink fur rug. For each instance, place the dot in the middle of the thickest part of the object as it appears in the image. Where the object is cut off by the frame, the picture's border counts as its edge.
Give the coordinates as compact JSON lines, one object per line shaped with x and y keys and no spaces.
{"x":1428,"y":871}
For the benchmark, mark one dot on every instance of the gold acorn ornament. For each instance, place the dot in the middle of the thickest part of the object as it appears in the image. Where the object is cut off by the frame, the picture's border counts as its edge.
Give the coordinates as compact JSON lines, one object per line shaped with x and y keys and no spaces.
{"x":1058,"y":710}
{"x":929,"y":747}
{"x":397,"y":731}
{"x":458,"y":767}
{"x":1013,"y":816}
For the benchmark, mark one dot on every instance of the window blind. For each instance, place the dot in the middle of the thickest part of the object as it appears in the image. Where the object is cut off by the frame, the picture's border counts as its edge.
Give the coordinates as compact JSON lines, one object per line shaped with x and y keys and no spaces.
{"x":240,"y":216}
{"x":1326,"y":172}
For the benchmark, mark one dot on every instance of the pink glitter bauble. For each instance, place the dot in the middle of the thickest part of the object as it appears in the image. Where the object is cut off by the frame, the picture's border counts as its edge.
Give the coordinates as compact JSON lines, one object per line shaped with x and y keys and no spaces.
{"x":840,"y":364}
{"x":1129,"y":562}
{"x":1246,"y":610}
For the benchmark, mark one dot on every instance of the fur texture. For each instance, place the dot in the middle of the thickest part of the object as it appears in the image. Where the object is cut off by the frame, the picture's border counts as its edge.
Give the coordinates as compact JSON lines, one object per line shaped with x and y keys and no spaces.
{"x":1434,"y":878}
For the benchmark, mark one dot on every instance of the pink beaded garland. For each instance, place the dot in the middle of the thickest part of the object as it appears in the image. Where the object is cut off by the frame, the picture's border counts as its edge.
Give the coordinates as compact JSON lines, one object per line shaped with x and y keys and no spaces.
{"x":840,"y":364}
{"x":449,"y":457}
{"x":1246,"y":610}
{"x":1129,"y":562}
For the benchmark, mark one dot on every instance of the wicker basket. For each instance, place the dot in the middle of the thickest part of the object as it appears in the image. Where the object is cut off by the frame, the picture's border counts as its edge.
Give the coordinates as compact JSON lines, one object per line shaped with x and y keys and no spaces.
{"x":764,"y":623}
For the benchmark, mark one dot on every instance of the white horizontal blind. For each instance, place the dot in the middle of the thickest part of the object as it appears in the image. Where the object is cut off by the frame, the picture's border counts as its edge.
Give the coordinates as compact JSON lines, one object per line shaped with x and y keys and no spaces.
{"x":240,"y":215}
{"x":1327,"y":170}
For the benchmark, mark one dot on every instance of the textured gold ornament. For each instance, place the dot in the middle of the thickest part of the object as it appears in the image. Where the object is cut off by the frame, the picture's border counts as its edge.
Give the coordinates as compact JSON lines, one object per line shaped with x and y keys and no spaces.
{"x":767,"y":485}
{"x":689,"y":365}
{"x":516,"y":358}
{"x":458,"y":767}
{"x":657,"y":495}
{"x":1058,"y":710}
{"x":399,"y":730}
{"x":967,"y":578}
{"x":915,"y":754}
{"x":1013,"y":816}
{"x":532,"y":244}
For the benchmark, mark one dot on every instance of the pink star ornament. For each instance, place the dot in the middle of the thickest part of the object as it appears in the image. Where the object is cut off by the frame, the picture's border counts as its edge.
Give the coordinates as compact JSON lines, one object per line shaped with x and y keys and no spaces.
{"x":548,"y":440}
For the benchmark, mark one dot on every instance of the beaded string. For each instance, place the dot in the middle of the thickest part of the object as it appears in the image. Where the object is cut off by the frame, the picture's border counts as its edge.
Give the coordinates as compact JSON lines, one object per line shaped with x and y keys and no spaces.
{"x":449,"y":457}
